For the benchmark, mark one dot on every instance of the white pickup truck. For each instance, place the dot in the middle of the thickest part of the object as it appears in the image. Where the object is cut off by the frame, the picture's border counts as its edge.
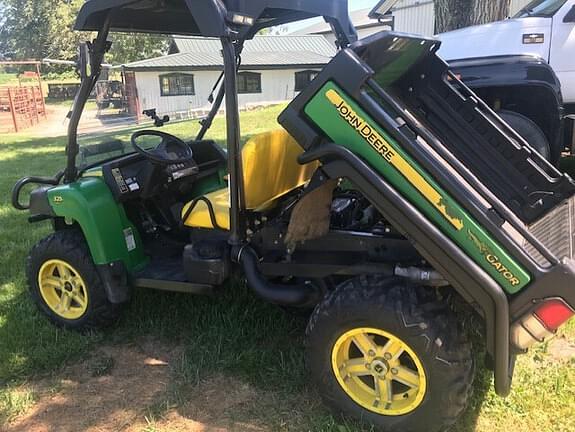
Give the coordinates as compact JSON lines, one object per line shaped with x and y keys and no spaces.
{"x":523,"y":67}
{"x":504,"y":62}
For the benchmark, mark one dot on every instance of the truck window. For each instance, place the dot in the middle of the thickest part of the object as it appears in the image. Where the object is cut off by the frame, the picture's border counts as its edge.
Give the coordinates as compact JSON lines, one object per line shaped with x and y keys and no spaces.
{"x":540,"y":8}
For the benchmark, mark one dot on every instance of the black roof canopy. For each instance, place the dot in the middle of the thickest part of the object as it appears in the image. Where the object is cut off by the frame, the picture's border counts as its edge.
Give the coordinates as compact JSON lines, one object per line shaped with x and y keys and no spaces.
{"x":210,"y":18}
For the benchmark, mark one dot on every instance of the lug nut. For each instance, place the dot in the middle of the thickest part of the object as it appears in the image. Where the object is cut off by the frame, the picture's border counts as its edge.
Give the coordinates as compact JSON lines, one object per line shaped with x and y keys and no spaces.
{"x":387,"y":356}
{"x":371,"y":353}
{"x":394,"y":371}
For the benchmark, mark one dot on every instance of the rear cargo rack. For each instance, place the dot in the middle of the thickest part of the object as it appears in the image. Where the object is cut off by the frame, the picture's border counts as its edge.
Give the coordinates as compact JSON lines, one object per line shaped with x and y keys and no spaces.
{"x":498,"y":156}
{"x":377,"y":71}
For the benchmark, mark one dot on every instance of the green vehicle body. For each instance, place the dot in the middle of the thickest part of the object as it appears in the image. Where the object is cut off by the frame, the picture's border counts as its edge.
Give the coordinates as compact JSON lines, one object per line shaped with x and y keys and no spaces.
{"x":108,"y":231}
{"x":350,"y":127}
{"x":112,"y":237}
{"x":110,"y":234}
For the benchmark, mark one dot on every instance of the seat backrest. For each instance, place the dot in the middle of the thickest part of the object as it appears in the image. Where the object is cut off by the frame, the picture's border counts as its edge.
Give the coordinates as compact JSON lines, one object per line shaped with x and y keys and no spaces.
{"x":271,"y":169}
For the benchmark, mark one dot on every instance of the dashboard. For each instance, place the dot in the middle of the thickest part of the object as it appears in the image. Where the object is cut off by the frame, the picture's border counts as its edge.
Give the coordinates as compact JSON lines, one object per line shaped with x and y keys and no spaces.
{"x":134,"y":176}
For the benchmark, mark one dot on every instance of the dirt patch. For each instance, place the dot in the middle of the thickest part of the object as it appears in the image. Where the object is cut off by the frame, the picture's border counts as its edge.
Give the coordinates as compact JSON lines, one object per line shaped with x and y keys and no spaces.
{"x":107,"y":392}
{"x":561,"y":349}
{"x":133,"y":388}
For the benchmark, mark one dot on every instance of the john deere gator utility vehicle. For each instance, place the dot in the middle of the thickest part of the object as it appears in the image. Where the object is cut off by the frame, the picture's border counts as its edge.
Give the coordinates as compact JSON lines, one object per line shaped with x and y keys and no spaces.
{"x":389,"y":192}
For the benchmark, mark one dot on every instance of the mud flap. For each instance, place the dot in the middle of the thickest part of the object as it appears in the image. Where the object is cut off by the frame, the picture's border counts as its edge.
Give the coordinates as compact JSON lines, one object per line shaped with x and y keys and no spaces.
{"x":115,"y":279}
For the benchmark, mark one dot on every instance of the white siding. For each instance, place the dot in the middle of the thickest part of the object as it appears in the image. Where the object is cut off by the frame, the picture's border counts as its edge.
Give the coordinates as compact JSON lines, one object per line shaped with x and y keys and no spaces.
{"x":418,"y":17}
{"x":413,"y":16}
{"x":277,"y":86}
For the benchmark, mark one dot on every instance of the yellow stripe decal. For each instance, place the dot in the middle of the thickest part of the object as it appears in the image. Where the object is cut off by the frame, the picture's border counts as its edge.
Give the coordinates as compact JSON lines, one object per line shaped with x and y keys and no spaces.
{"x":379,"y":144}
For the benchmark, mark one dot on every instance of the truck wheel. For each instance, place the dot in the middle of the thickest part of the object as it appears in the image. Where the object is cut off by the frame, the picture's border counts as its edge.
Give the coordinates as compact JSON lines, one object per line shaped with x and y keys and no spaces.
{"x":529,"y":130}
{"x":65,"y":283}
{"x":389,"y":353}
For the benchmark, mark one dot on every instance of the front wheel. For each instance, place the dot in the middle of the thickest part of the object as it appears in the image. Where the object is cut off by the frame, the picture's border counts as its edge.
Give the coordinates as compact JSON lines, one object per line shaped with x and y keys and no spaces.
{"x":66,"y":285}
{"x":390,"y":354}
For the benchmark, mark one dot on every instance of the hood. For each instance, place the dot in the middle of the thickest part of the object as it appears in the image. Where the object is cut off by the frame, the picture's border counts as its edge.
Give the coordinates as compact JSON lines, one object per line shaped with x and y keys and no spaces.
{"x":495,"y":39}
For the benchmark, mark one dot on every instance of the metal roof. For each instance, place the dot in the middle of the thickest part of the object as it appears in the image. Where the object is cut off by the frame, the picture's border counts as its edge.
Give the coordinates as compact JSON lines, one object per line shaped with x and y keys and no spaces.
{"x":359,"y":19}
{"x":262,"y":52}
{"x":250,"y":60}
{"x":313,"y":43}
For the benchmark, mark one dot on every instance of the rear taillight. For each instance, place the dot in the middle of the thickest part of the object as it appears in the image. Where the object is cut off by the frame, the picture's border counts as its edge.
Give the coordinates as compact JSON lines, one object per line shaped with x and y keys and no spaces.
{"x":540,"y":324}
{"x":554,"y":313}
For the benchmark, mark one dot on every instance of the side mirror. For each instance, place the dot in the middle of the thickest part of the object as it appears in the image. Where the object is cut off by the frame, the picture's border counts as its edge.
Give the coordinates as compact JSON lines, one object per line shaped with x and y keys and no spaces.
{"x":570,"y":16}
{"x":84,"y":64}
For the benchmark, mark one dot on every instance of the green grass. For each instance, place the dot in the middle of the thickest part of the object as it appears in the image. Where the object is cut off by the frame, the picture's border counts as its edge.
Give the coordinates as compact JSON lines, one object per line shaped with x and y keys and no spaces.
{"x":8,"y":79}
{"x":234,"y":334}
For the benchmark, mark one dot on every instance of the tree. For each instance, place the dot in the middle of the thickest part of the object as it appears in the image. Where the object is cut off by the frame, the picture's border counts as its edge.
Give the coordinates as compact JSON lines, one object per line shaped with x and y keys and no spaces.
{"x":454,"y":14}
{"x":36,"y":29}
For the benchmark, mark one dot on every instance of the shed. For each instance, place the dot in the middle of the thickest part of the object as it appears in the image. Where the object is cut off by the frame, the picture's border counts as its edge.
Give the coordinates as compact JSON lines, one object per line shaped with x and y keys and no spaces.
{"x":273,"y":70}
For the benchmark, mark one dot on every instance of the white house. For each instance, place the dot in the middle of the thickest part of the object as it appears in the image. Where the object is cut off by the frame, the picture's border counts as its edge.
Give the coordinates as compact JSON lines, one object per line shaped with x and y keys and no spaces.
{"x":273,"y":69}
{"x":408,"y":16}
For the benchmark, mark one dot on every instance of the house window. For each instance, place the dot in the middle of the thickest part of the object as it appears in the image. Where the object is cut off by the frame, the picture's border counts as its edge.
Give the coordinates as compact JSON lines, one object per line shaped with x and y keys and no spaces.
{"x":303,"y":78}
{"x":249,"y":82}
{"x":177,"y":84}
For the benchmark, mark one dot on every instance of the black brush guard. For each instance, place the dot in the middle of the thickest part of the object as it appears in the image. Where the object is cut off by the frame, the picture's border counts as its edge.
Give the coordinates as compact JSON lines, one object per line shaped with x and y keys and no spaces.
{"x":524,"y":202}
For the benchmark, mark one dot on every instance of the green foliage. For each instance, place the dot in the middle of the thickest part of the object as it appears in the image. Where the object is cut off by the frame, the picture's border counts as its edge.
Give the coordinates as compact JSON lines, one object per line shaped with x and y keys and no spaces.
{"x":130,"y":47}
{"x":37,"y":29}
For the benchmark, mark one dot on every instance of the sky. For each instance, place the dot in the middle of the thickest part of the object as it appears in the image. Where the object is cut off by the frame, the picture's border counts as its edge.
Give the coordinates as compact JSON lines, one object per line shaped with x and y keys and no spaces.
{"x":353,"y":5}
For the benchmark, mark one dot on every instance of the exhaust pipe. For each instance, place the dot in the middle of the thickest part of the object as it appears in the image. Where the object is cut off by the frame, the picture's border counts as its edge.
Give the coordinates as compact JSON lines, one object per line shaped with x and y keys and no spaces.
{"x":297,"y":295}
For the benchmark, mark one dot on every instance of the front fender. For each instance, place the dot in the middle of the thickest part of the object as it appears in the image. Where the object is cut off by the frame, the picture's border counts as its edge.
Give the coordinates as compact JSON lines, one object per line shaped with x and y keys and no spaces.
{"x":503,"y":71}
{"x":111,"y":237}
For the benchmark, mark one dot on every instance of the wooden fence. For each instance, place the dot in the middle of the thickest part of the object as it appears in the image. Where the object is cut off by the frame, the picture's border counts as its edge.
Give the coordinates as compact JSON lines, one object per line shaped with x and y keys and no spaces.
{"x":21,"y":108}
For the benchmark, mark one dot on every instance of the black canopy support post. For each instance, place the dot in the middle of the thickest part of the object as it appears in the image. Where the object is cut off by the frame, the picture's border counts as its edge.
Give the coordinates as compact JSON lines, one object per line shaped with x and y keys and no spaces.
{"x":207,"y":122}
{"x":345,"y":36}
{"x":236,"y":179}
{"x":97,"y":50}
{"x":217,"y":102}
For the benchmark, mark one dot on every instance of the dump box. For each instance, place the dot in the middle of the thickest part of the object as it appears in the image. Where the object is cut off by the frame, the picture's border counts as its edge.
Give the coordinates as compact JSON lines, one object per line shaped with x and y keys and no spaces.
{"x":477,"y":201}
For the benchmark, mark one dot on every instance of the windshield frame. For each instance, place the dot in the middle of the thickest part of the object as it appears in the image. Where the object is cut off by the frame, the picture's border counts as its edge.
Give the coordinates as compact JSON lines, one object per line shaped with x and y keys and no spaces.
{"x":548,"y":11}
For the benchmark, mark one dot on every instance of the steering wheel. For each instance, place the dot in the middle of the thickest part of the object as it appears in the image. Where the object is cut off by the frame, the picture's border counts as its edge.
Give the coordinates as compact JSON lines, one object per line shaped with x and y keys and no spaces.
{"x":162,"y":154}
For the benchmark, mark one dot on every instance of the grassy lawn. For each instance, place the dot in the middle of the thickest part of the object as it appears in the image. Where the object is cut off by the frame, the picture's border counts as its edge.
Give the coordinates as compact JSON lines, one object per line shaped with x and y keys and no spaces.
{"x":233,"y":335}
{"x":8,"y":79}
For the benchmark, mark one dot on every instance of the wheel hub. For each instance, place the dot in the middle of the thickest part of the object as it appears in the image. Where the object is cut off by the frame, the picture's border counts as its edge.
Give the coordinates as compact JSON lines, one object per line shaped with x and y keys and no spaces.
{"x":380,"y":367}
{"x":379,"y":371}
{"x":63,"y":289}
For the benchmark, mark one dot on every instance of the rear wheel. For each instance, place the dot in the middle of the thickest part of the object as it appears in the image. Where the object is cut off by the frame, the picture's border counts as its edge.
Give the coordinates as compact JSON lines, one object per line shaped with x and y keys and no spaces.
{"x":65,"y":283}
{"x":390,"y":354}
{"x":530,"y":132}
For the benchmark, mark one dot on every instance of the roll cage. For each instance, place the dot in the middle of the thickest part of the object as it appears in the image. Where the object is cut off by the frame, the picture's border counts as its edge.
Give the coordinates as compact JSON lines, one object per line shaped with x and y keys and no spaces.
{"x":233,"y":22}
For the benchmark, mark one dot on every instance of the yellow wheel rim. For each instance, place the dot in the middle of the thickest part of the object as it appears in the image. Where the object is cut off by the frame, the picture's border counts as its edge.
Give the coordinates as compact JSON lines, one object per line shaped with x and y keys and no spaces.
{"x":63,"y":289}
{"x":379,"y":371}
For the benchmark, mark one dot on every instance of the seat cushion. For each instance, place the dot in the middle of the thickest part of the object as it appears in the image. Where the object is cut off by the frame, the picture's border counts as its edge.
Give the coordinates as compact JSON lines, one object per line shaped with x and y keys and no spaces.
{"x":200,"y":215}
{"x":270,"y":171}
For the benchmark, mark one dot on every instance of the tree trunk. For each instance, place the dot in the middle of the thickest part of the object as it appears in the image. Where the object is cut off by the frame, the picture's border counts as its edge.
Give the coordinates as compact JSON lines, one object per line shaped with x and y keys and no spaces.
{"x":454,"y":14}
